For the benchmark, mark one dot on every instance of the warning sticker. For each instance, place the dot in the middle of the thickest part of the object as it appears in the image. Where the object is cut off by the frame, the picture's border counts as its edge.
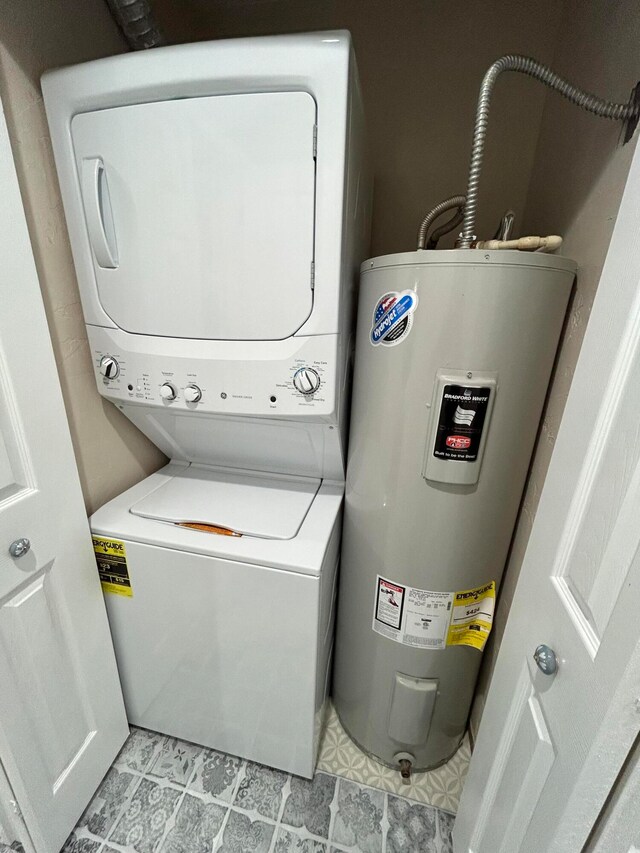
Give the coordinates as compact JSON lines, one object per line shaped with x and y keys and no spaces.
{"x":433,"y":620}
{"x":393,"y":317}
{"x":421,"y":617}
{"x":463,"y":411}
{"x":472,"y":616}
{"x":389,"y":604}
{"x":111,"y":557}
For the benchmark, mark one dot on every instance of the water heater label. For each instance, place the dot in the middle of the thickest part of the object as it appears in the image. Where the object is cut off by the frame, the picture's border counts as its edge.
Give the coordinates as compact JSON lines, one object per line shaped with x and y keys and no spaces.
{"x":463,"y":411}
{"x":433,"y":620}
{"x":393,"y":318}
{"x":414,"y":617}
{"x":389,"y":604}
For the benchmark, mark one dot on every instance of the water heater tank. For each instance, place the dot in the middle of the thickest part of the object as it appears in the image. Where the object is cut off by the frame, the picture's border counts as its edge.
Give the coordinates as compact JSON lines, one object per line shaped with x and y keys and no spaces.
{"x":453,"y":357}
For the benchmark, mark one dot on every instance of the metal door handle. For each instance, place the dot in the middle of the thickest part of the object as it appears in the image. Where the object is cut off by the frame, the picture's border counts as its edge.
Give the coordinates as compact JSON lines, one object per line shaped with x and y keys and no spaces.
{"x":19,"y":548}
{"x":546,"y":659}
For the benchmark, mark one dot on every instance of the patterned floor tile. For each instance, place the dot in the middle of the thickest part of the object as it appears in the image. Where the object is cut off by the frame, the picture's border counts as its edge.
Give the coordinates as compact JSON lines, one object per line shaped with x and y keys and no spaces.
{"x":216,"y":775}
{"x":261,"y":790}
{"x":144,"y":822}
{"x":73,"y":844}
{"x":242,"y":835}
{"x":113,"y":793}
{"x":138,"y":750}
{"x":154,"y":814}
{"x":291,"y":842}
{"x":175,"y":760}
{"x":196,"y":826}
{"x":440,"y":787}
{"x":358,"y":821}
{"x":309,"y":803}
{"x":412,"y":827}
{"x":445,"y":825}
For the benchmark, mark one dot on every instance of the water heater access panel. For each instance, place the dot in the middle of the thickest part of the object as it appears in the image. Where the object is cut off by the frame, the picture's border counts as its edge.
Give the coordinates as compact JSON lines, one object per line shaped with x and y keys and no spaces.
{"x":200,"y":213}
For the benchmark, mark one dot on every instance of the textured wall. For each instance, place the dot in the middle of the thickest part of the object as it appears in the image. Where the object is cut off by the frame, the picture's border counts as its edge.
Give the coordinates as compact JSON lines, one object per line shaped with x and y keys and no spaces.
{"x":421,"y":63}
{"x":37,"y":35}
{"x":576,"y":185}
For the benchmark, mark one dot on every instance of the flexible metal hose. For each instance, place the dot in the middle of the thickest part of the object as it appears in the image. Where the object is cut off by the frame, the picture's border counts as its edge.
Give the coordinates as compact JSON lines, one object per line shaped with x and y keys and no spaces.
{"x":525,"y":65}
{"x":135,"y":19}
{"x":438,"y":210}
{"x":449,"y":225}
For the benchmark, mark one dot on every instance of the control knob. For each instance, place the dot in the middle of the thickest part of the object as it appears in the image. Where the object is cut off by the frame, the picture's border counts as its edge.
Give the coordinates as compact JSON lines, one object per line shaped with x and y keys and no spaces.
{"x":109,"y":367}
{"x":306,"y":380}
{"x":167,"y":391}
{"x":192,"y":394}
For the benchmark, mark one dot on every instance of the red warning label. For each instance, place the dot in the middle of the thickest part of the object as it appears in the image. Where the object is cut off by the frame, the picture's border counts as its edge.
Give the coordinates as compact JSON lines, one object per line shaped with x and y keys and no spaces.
{"x":389,"y":603}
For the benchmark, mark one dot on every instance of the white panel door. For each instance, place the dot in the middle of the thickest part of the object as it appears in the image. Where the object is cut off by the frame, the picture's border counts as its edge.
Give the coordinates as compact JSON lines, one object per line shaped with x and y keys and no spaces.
{"x":550,"y":747}
{"x":62,"y":716}
{"x":200,"y":213}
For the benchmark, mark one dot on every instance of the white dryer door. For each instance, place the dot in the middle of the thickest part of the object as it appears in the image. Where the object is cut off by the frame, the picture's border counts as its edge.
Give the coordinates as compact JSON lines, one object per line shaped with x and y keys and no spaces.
{"x":200,"y":213}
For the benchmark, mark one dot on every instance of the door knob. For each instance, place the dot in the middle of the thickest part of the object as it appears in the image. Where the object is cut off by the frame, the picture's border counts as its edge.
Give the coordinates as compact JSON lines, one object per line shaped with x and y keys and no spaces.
{"x":546,"y":659}
{"x":19,"y":548}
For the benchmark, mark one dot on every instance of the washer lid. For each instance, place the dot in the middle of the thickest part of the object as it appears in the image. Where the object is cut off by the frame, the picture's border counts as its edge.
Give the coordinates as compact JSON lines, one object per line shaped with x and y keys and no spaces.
{"x":266,"y":506}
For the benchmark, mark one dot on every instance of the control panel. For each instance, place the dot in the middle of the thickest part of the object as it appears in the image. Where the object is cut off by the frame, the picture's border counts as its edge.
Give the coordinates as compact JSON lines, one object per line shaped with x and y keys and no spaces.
{"x":264,"y":378}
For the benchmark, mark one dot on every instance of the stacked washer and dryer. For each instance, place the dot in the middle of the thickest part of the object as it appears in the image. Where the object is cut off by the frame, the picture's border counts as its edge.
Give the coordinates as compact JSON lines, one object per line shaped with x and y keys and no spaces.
{"x":218,"y":207}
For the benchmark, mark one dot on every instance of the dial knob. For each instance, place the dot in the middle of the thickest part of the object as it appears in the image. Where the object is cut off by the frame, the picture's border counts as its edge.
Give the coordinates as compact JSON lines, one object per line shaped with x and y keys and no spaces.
{"x":192,"y":394}
{"x":306,"y":380}
{"x":109,"y":367}
{"x":167,"y":391}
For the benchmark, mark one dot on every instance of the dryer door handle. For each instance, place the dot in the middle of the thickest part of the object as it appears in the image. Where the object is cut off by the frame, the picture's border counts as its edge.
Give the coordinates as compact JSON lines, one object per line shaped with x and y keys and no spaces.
{"x":98,"y":212}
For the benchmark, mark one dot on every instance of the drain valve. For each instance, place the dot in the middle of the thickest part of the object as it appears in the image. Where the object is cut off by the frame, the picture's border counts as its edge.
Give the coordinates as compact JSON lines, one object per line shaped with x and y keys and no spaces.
{"x":405,"y":763}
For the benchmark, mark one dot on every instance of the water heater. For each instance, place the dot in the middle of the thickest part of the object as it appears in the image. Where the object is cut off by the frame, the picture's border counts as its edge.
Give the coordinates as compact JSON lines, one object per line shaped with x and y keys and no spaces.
{"x":454,"y":353}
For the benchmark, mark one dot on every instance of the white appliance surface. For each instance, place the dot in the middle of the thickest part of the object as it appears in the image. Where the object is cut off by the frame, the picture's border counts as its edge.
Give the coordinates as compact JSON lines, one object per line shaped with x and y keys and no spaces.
{"x":253,"y":504}
{"x":303,"y":554}
{"x":207,"y":209}
{"x":231,"y":654}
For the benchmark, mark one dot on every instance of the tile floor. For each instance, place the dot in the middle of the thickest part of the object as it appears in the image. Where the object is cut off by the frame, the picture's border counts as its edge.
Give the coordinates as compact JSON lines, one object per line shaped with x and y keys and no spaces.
{"x":166,"y":796}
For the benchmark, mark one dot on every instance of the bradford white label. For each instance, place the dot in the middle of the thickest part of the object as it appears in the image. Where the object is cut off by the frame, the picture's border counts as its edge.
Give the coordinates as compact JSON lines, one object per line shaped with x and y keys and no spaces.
{"x":463,"y":411}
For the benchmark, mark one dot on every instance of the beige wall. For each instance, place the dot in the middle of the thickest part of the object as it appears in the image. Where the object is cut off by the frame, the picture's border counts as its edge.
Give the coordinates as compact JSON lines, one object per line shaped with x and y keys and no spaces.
{"x":421,"y":63}
{"x":576,"y":185}
{"x":37,"y":35}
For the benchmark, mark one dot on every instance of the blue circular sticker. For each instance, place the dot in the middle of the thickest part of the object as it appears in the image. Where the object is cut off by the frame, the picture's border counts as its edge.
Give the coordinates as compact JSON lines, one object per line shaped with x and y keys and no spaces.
{"x":393,"y":318}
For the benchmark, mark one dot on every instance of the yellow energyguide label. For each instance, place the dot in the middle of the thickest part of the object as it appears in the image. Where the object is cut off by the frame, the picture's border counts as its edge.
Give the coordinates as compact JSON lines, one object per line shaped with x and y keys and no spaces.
{"x":472,"y":616}
{"x":111,"y":557}
{"x":430,"y":619}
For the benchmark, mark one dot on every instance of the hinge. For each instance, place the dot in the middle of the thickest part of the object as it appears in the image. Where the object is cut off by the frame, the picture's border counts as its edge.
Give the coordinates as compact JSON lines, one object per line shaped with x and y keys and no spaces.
{"x":315,"y":141}
{"x":313,"y":275}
